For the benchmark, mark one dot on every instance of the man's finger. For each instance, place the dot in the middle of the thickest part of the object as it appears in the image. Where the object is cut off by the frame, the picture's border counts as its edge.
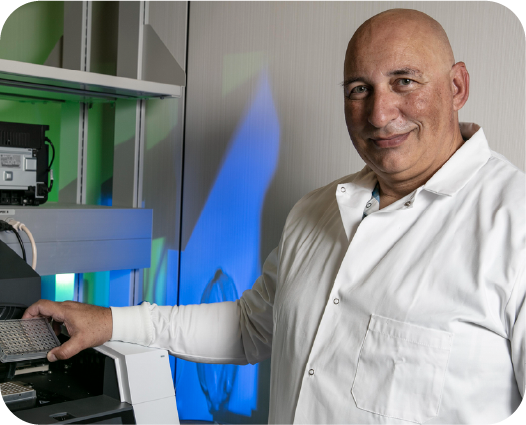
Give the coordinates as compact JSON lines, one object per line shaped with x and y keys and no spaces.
{"x":37,"y":309}
{"x":66,"y":350}
{"x":45,"y":308}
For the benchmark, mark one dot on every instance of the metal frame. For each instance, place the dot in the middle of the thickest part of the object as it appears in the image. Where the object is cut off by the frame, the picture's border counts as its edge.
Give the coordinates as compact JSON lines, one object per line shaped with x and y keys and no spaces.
{"x":135,"y":287}
{"x":135,"y":15}
{"x":140,"y":44}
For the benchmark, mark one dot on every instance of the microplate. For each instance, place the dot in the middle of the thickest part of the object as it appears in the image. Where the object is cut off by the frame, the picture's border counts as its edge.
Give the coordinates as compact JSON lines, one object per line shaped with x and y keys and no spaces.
{"x":26,"y":339}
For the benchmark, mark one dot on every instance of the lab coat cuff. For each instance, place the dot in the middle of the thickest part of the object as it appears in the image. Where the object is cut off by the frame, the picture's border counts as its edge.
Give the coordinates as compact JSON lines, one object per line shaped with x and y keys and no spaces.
{"x":132,"y":324}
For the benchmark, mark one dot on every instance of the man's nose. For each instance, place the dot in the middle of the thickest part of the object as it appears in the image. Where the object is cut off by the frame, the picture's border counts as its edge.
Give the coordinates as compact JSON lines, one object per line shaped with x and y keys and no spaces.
{"x":383,"y":108}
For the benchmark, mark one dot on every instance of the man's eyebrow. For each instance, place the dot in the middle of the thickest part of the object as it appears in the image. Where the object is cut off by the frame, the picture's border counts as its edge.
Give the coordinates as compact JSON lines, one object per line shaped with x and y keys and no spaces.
{"x":401,"y":71}
{"x":350,"y":81}
{"x":405,"y":71}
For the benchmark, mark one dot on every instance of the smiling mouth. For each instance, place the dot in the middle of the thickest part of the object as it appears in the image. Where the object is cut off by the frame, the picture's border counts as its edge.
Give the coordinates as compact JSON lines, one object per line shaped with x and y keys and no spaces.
{"x":391,"y":142}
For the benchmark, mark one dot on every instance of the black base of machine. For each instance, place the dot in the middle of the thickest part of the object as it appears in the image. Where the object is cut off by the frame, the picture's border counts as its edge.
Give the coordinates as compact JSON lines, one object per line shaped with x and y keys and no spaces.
{"x":81,"y":390}
{"x":19,"y":283}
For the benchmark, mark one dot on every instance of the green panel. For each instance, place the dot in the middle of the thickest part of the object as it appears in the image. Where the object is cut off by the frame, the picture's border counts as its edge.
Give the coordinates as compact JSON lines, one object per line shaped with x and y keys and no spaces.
{"x":32,"y":31}
{"x":101,"y":128}
{"x":65,"y":287}
{"x":162,"y":118}
{"x":154,"y":287}
{"x":68,"y":158}
{"x":96,"y":288}
{"x":99,"y":178}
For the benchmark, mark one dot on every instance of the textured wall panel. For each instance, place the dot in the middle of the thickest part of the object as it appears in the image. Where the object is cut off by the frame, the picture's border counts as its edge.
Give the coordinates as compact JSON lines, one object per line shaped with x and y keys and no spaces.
{"x":302,"y":45}
{"x":291,"y":54}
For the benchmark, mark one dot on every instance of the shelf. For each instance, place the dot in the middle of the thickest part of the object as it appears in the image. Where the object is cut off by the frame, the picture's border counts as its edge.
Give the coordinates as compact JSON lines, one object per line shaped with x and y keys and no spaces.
{"x":40,"y":83}
{"x":75,"y":238}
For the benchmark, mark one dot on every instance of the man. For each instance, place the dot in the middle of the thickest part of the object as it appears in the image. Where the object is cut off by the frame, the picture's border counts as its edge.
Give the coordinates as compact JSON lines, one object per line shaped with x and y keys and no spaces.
{"x":396,"y":294}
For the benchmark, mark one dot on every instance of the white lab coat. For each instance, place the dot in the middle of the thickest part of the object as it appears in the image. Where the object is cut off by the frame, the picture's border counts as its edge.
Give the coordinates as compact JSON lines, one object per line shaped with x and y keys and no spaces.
{"x":413,"y":314}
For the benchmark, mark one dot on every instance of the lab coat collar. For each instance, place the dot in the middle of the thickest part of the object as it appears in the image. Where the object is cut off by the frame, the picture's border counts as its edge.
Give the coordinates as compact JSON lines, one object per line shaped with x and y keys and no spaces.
{"x":448,"y":180}
{"x":464,"y":163}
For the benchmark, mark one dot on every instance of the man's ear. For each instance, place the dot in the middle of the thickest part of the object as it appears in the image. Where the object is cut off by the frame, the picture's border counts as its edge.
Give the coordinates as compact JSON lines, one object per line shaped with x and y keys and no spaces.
{"x":459,"y":85}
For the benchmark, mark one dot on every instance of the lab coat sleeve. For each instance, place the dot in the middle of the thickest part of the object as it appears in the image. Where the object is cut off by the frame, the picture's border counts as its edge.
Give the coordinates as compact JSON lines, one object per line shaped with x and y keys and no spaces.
{"x":517,"y":308}
{"x":237,"y":332}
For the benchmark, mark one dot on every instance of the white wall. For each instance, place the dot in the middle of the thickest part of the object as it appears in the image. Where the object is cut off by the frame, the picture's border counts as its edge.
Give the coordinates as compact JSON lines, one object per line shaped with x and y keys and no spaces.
{"x":302,"y":44}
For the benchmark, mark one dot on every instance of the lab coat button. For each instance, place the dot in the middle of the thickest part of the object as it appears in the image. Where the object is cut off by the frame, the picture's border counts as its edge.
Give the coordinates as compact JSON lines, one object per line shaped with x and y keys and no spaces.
{"x":408,"y":203}
{"x":368,"y":205}
{"x":311,"y":372}
{"x":342,"y":189}
{"x":336,"y":301}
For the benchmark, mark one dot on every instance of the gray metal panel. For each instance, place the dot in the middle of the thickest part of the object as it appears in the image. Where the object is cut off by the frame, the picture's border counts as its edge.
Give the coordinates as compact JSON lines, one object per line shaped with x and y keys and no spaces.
{"x":168,"y":19}
{"x":55,"y":57}
{"x":71,"y":49}
{"x":104,"y":37}
{"x":59,"y":222}
{"x":81,"y":240}
{"x":89,"y":256}
{"x":158,"y":63}
{"x":128,"y":41}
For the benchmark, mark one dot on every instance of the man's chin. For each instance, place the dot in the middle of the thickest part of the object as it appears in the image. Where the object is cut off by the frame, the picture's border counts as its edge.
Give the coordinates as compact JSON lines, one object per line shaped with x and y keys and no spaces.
{"x":391,"y":165}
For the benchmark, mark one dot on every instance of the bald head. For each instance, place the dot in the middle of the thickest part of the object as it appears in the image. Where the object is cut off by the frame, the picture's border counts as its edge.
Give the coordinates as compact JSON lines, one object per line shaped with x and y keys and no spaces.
{"x":404,"y":25}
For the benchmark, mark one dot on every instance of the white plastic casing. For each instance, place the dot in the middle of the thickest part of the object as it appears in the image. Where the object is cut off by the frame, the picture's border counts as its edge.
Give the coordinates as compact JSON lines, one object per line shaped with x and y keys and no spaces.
{"x":145,"y":381}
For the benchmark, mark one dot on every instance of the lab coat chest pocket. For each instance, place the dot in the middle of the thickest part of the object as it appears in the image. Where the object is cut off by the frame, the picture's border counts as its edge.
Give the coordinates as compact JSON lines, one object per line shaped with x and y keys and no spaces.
{"x":401,"y":370}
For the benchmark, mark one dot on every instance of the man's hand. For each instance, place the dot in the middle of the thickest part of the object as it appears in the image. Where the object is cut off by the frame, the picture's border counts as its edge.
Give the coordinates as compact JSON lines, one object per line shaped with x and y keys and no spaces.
{"x":87,"y":325}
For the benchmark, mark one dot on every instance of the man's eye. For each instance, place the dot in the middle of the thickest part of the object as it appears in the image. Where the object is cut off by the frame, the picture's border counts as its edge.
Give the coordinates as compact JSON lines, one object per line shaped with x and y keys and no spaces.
{"x":359,"y":89}
{"x":405,"y":81}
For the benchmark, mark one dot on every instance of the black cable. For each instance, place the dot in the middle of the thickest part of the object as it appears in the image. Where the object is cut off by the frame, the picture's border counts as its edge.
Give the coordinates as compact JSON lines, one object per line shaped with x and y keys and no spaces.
{"x":5,"y":226}
{"x":53,"y":149}
{"x":50,"y":187}
{"x":21,"y":243}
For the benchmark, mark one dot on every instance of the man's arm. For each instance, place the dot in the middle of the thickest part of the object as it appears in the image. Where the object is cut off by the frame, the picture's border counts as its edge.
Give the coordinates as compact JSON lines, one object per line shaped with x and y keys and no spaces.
{"x":229,"y":332}
{"x":516,"y":308}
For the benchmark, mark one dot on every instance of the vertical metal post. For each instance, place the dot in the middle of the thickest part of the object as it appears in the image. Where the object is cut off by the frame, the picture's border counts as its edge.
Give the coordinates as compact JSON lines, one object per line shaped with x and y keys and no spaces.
{"x":139,"y":153}
{"x":85,"y":49}
{"x":76,"y":56}
{"x":128,"y":166}
{"x":82,"y":154}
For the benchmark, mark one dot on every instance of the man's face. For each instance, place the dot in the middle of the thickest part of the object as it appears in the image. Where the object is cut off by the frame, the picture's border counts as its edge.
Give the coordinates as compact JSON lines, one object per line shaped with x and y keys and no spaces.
{"x":398,"y":101}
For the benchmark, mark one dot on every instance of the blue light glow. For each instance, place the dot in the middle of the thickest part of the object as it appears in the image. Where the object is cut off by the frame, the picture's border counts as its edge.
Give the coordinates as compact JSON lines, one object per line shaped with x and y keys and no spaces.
{"x":226,"y":238}
{"x":217,"y":381}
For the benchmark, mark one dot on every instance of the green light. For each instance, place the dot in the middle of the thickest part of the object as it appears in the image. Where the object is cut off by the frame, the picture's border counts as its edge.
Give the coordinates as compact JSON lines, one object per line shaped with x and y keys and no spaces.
{"x":64,"y":286}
